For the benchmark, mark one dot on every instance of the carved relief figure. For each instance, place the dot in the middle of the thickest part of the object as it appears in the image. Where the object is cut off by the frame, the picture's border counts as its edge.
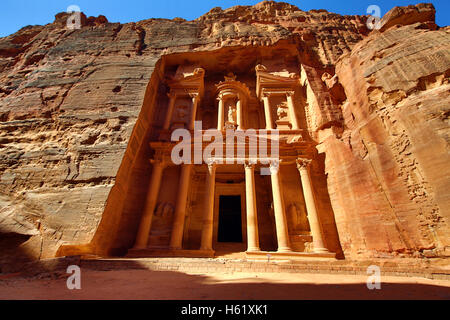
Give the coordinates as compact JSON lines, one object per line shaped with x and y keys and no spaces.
{"x":232,"y":114}
{"x":231,"y":119}
{"x":180,"y":117}
{"x":298,"y":220}
{"x":181,"y":112}
{"x":164,"y":210}
{"x":282,"y":111}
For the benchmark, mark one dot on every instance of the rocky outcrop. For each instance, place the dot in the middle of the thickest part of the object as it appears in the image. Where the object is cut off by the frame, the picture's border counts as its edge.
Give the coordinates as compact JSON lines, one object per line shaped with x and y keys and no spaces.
{"x":69,"y":100}
{"x":402,"y":16}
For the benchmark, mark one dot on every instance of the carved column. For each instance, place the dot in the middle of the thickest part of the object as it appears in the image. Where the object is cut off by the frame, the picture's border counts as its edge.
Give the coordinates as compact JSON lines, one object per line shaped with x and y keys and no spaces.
{"x":220,"y":113}
{"x":267,"y":111}
{"x":152,"y":197}
{"x":316,"y":229}
{"x":239,"y":113}
{"x":195,"y":98}
{"x":252,"y":218}
{"x":291,"y":106}
{"x":176,"y":238}
{"x":173,"y":97}
{"x":279,"y":212}
{"x":208,"y":209}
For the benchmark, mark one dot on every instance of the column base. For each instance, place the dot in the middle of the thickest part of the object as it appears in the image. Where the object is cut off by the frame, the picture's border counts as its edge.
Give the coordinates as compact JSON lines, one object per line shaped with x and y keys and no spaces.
{"x":284,"y":250}
{"x":321,"y":250}
{"x":169,"y":253}
{"x":254,"y":249}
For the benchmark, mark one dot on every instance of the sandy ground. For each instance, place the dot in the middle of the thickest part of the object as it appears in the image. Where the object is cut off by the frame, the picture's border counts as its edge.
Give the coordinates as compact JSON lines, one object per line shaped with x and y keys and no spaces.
{"x":166,"y":285}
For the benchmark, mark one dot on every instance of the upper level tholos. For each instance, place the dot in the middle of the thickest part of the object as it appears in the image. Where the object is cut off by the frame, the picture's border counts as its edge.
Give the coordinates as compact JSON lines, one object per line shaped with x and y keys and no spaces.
{"x":265,"y":94}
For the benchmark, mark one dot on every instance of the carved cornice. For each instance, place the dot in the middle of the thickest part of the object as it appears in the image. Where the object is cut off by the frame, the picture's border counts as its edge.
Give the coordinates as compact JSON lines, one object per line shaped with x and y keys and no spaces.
{"x":195,"y":96}
{"x":193,"y":82}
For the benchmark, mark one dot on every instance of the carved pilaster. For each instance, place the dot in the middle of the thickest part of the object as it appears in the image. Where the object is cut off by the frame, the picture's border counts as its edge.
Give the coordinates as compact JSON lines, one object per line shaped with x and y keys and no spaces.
{"x":172,"y":96}
{"x":195,"y":99}
{"x":267,"y":110}
{"x":291,"y":107}
{"x":220,"y":115}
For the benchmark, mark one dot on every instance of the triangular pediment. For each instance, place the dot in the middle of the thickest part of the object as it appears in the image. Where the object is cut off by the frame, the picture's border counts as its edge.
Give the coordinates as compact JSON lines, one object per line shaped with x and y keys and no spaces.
{"x":189,"y":82}
{"x":270,"y":81}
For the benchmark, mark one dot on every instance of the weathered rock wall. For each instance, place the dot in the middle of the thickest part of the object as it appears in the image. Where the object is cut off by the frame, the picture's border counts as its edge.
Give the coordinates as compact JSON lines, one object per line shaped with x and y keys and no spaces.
{"x":70,"y":100}
{"x":389,"y":167}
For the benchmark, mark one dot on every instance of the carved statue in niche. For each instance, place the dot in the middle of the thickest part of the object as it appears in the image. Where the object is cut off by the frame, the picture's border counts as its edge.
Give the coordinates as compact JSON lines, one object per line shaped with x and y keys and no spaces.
{"x":232,"y":114}
{"x":180,"y":116}
{"x":282,"y":121}
{"x":181,"y":112}
{"x":298,"y":220}
{"x":161,"y":225}
{"x":163,"y":216}
{"x":309,"y":247}
{"x":282,"y":112}
{"x":164,"y":210}
{"x":231,"y":122}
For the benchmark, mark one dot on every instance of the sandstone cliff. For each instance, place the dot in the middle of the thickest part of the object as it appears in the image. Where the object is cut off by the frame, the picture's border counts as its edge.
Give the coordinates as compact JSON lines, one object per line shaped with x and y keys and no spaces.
{"x":70,"y":100}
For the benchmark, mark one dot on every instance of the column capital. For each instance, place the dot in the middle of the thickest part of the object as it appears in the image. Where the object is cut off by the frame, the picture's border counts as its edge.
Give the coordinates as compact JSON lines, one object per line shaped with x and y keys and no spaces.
{"x":303,"y":163}
{"x":250,"y":164}
{"x":194,"y":95}
{"x":172,"y":95}
{"x":274,"y":166}
{"x":290,"y":93}
{"x":211,"y":163}
{"x":159,"y":158}
{"x":159,"y":162}
{"x":266,"y":94}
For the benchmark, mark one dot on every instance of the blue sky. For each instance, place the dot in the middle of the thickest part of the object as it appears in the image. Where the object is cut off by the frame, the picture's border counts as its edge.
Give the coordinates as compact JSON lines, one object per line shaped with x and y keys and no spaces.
{"x":16,"y":14}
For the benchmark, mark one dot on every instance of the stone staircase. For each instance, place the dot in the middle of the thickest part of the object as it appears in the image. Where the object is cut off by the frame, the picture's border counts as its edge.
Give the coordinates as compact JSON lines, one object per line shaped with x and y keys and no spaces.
{"x":231,"y":263}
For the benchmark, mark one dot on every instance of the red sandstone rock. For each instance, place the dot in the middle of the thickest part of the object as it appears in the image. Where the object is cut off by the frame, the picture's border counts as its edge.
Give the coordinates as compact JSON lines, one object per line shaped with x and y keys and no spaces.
{"x":402,"y":16}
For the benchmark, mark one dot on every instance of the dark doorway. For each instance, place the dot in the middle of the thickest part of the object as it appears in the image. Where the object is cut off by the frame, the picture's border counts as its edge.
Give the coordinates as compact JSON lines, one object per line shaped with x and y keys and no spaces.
{"x":230,"y":220}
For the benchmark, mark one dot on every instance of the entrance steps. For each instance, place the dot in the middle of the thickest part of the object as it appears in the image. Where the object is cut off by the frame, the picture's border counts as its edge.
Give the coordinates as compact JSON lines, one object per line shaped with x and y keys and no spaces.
{"x":233,"y":264}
